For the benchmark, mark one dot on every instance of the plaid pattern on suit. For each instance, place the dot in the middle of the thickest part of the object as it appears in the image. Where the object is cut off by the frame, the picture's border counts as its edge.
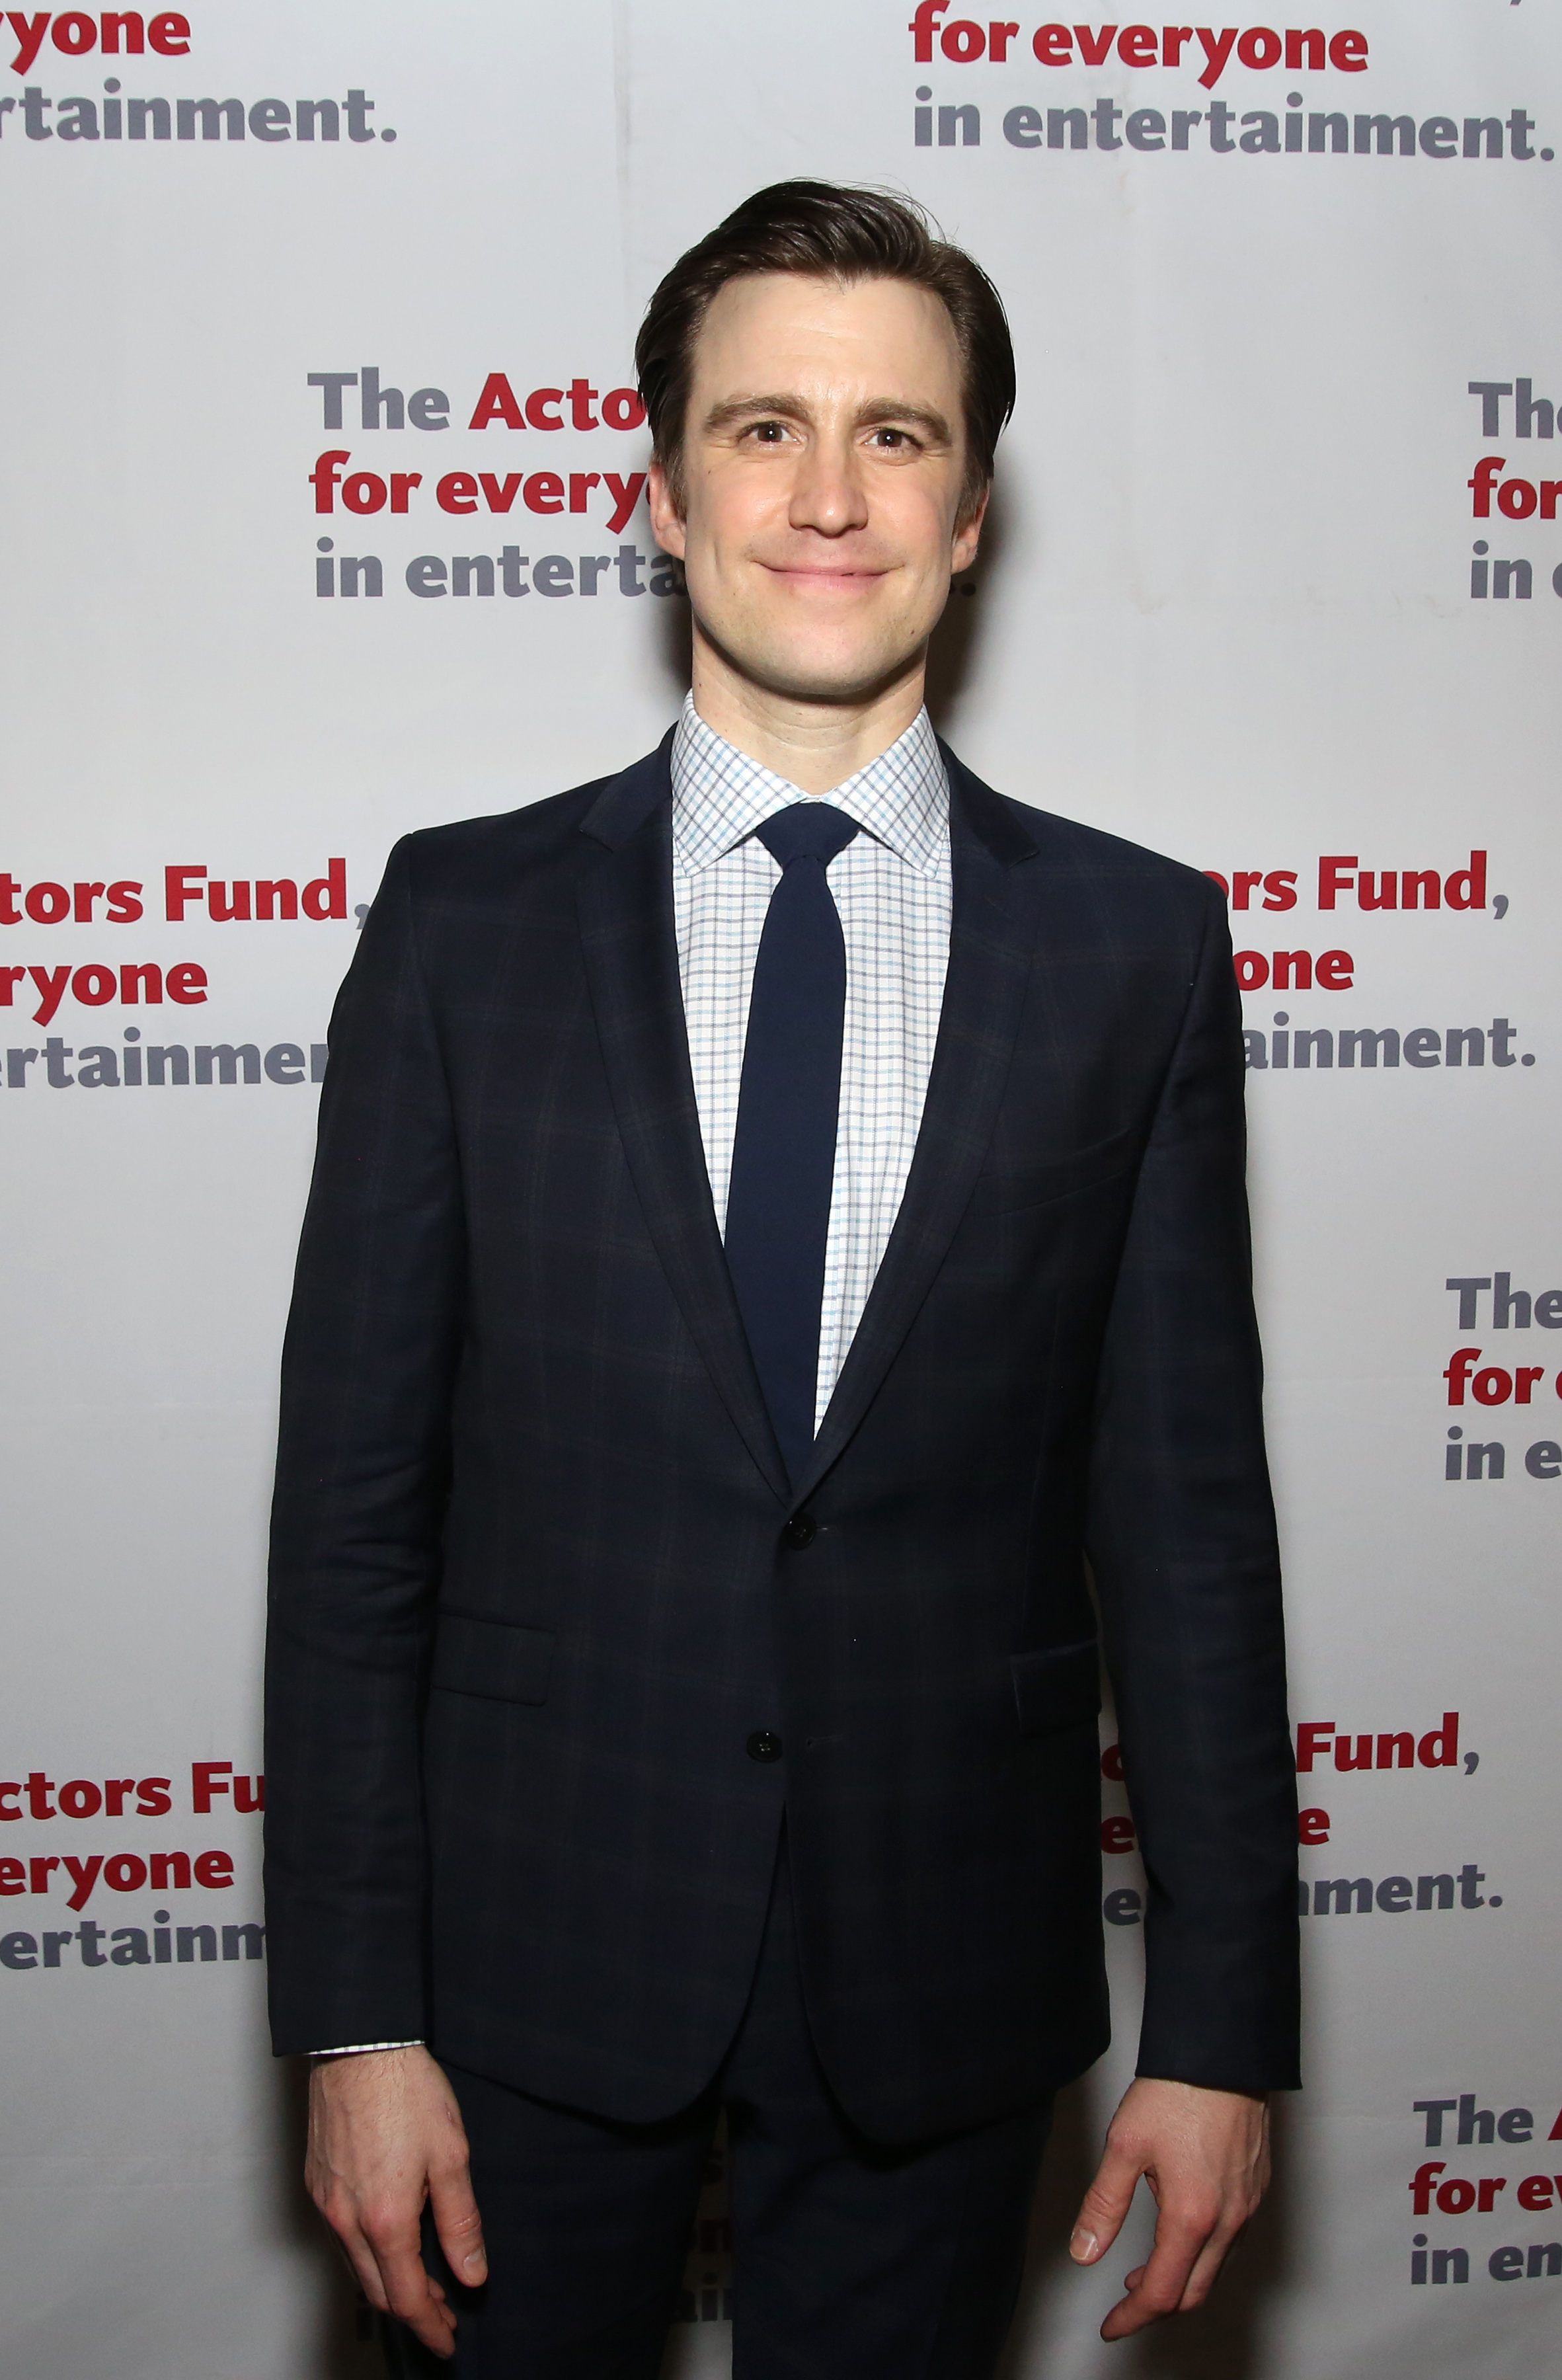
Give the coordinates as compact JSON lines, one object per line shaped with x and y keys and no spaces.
{"x":534,"y":1581}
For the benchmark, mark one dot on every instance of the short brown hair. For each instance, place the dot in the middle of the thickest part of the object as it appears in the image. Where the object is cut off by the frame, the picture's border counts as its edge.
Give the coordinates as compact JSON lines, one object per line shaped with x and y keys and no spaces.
{"x":836,"y":234}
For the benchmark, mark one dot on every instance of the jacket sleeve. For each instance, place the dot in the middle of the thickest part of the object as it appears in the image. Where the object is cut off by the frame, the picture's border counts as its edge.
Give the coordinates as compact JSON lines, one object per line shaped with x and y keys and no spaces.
{"x":1181,"y":1539}
{"x":361,"y":1483}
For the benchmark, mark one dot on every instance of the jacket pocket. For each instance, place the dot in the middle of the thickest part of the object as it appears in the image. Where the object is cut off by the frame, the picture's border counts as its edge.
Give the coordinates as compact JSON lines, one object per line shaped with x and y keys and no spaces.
{"x":1056,"y":1687}
{"x":491,"y":1658}
{"x":1007,"y":1191}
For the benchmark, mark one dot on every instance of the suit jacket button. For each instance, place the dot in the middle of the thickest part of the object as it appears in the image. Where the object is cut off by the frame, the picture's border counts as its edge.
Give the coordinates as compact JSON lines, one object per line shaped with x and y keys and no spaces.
{"x":800,"y":1531}
{"x":764,"y":1744}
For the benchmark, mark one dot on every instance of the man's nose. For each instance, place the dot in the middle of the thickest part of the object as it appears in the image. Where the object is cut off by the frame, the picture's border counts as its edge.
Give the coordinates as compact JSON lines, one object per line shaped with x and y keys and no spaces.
{"x":829,"y":495}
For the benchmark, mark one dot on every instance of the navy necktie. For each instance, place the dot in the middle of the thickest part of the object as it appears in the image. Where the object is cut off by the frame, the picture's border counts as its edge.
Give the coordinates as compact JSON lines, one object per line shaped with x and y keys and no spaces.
{"x":789,"y":1100}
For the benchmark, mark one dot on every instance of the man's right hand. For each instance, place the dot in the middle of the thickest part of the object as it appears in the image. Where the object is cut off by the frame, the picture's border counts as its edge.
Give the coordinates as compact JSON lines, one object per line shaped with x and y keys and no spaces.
{"x":386,"y":2138}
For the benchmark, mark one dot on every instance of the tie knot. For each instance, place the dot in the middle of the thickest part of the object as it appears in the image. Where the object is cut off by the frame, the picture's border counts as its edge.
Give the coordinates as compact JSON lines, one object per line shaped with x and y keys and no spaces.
{"x":807,"y":831}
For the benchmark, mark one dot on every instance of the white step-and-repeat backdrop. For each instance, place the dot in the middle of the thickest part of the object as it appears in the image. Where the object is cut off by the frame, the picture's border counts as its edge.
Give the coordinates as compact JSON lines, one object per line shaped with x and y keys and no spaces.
{"x":323,"y":503}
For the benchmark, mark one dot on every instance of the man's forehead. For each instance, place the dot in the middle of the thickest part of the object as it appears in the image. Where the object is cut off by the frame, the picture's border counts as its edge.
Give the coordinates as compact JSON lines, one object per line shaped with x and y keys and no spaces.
{"x":822,"y":326}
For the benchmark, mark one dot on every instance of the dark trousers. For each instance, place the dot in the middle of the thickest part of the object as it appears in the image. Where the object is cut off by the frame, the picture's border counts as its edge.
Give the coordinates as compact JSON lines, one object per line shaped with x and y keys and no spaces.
{"x":869,"y":2262}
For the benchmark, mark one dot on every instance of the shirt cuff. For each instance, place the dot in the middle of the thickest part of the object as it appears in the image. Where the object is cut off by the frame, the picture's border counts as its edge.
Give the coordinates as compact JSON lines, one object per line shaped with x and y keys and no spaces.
{"x":358,"y":2048}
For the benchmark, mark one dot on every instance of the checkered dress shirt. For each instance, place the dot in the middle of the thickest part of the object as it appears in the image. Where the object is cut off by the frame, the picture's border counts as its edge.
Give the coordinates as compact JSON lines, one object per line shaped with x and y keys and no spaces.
{"x":893,"y":886}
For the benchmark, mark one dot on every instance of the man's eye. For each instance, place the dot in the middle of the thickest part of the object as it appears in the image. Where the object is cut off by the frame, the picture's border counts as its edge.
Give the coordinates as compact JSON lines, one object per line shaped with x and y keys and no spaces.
{"x":770,"y":433}
{"x":895,"y":440}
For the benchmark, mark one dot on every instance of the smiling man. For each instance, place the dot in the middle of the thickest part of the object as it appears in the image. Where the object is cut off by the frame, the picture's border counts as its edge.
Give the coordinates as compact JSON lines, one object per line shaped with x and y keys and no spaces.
{"x":778,"y":1234}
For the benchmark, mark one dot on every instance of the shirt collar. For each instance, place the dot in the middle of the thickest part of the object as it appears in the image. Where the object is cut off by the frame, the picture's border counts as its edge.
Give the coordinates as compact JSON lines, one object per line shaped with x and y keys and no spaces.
{"x":720,"y":795}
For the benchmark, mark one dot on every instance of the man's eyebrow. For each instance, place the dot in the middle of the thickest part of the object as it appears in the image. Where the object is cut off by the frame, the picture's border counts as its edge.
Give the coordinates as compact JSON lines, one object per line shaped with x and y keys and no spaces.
{"x":926,"y":416}
{"x":791,"y":407}
{"x":740,"y":409}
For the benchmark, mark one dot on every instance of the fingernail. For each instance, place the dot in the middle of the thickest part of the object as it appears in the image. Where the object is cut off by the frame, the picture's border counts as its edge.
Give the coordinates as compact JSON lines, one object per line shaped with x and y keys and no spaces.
{"x":1082,"y":2247}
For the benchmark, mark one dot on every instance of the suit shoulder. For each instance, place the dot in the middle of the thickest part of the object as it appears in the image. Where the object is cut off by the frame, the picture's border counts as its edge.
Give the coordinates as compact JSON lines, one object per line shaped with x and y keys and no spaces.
{"x":520,"y":853}
{"x":470,"y":849}
{"x":1092,"y":858}
{"x":1093,"y":852}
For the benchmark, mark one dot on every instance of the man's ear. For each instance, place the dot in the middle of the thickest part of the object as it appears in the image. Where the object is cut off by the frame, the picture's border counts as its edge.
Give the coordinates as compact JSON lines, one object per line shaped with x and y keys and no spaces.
{"x":968,"y":537}
{"x":667,"y":522}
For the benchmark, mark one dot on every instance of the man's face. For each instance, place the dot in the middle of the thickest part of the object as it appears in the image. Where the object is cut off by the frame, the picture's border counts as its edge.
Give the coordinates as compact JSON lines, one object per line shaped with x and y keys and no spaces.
{"x":823,"y":463}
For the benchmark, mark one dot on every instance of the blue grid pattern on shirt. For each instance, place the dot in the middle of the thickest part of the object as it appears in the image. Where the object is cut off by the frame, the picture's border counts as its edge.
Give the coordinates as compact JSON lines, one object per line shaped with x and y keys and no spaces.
{"x":893,"y":886}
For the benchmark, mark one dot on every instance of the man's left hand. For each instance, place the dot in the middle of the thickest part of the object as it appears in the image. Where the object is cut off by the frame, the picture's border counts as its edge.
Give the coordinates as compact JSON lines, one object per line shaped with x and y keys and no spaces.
{"x":1205,"y":2156}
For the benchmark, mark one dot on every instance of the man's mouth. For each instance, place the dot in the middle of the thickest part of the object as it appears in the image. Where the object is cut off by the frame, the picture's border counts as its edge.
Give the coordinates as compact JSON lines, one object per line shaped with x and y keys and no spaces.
{"x":829,"y":577}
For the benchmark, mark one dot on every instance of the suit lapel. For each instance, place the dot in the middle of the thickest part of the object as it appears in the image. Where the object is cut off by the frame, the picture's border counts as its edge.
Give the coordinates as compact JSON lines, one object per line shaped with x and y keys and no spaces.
{"x":992,"y":933}
{"x":625,"y":911}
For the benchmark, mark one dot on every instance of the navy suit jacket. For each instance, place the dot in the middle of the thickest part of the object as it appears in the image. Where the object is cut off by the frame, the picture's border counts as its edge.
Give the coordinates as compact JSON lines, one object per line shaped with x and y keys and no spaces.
{"x":539,"y":1575}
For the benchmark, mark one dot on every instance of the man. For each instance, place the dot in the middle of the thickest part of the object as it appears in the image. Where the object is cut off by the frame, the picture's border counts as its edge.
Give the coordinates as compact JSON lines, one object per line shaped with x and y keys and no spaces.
{"x":778,"y":1214}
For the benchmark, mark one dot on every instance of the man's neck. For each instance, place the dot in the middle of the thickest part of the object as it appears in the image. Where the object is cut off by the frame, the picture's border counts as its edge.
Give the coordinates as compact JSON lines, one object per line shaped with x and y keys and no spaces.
{"x":814,"y":746}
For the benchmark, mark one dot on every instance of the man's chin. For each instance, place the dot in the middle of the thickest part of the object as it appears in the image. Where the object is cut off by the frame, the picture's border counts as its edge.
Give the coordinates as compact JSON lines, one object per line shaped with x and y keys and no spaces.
{"x":840,"y":686}
{"x":829,"y":670}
